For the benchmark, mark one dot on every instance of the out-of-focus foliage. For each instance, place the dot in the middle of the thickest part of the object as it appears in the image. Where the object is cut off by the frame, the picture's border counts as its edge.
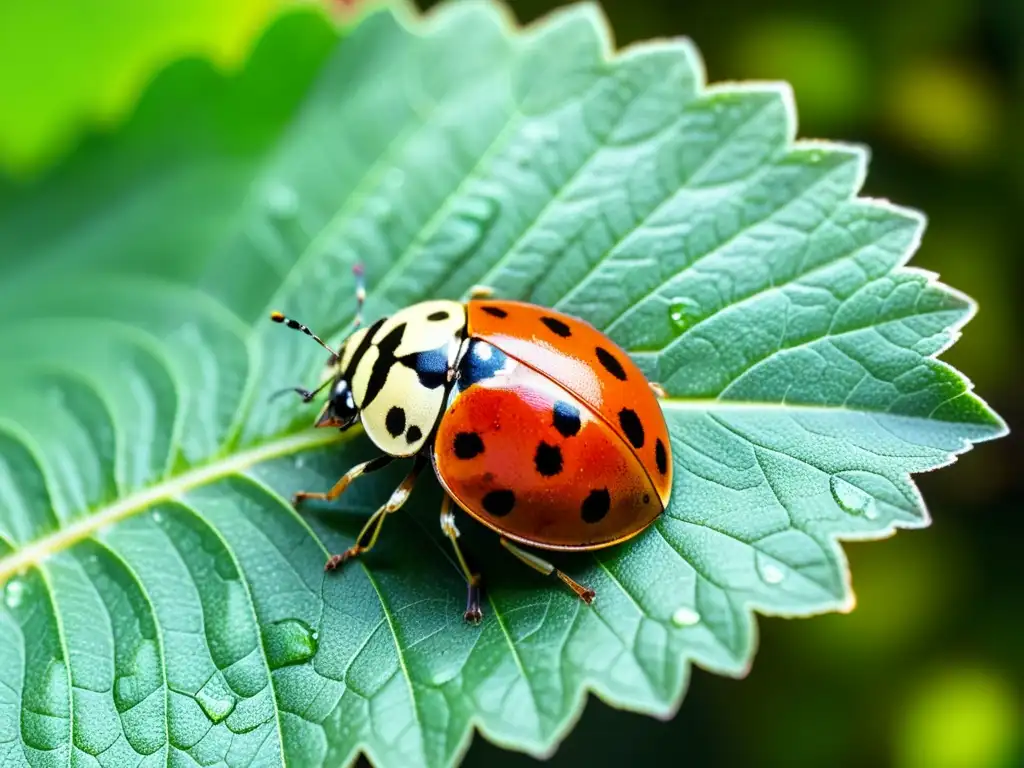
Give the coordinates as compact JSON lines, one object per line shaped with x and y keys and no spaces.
{"x":69,"y":65}
{"x":937,"y":93}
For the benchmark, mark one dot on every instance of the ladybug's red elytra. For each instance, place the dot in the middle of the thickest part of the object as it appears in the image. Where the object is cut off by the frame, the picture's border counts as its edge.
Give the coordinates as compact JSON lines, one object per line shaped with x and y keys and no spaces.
{"x":536,"y":424}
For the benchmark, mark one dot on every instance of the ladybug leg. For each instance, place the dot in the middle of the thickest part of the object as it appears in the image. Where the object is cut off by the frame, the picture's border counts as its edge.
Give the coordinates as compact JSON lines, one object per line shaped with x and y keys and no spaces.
{"x":481,"y":292}
{"x":658,"y":389}
{"x":372,"y":528}
{"x":543,"y":566}
{"x":339,"y":487}
{"x":473,"y":613}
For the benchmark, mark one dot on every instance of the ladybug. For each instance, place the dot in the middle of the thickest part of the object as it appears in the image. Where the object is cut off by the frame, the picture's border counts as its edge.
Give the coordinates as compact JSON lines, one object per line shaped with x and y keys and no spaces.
{"x":535,"y":423}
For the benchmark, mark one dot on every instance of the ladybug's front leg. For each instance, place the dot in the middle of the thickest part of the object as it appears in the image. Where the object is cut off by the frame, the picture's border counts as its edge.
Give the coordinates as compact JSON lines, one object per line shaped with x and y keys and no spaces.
{"x":372,"y":528}
{"x":339,"y":487}
{"x":473,"y":612}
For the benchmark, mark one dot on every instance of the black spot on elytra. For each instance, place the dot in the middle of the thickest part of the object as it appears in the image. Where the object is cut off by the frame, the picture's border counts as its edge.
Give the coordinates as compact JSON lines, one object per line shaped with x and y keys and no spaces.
{"x":495,"y":311}
{"x":431,"y":366}
{"x":660,"y":456}
{"x":611,"y":363}
{"x":596,"y":506}
{"x":566,"y":418}
{"x":467,"y":445}
{"x":647,"y":498}
{"x":476,"y":366}
{"x":548,"y":459}
{"x":499,"y":503}
{"x":395,"y":421}
{"x":557,"y":327}
{"x":440,"y":315}
{"x":414,"y":434}
{"x":631,"y":425}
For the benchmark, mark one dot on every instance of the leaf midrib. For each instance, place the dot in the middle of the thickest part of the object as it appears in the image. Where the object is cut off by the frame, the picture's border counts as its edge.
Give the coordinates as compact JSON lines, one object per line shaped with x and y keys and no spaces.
{"x":227,"y":466}
{"x":172,"y":488}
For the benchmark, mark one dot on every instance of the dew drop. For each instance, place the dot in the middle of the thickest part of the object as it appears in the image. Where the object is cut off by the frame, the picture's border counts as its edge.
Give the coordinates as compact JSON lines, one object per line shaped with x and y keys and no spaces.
{"x":685,"y":617}
{"x":395,"y":179}
{"x":290,"y":642}
{"x":158,"y":517}
{"x":216,"y":699}
{"x":14,"y":593}
{"x":542,"y":131}
{"x":851,"y":499}
{"x":772,"y":574}
{"x":126,"y":693}
{"x":139,"y":677}
{"x":380,"y":209}
{"x":683,"y":313}
{"x":217,"y":708}
{"x":282,"y":201}
{"x":815,"y":156}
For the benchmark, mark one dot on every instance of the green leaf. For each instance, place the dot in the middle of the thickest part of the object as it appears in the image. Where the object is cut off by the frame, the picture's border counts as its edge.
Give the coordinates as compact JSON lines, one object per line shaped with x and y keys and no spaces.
{"x":163,"y":601}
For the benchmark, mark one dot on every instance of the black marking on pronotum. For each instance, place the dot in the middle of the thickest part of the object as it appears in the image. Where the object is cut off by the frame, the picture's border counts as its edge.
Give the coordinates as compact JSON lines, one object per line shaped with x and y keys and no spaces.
{"x":431,"y":366}
{"x":395,"y":421}
{"x":382,"y":365}
{"x":495,"y":312}
{"x":660,"y":456}
{"x":596,"y":506}
{"x":557,"y":327}
{"x":360,"y":352}
{"x":611,"y":363}
{"x":480,"y":362}
{"x":499,"y":503}
{"x":548,"y":459}
{"x":631,"y":425}
{"x":467,"y":445}
{"x":439,"y":315}
{"x":566,"y":418}
{"x":414,"y":434}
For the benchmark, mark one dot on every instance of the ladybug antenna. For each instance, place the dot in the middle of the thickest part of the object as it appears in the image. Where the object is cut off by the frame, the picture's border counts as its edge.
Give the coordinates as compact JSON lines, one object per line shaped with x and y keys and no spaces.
{"x":306,"y":394}
{"x":358,"y":271}
{"x":295,"y":325}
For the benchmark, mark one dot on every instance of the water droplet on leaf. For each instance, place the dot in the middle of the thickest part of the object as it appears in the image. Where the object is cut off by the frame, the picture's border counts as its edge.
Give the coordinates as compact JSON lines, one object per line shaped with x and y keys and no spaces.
{"x":282,"y":201}
{"x":772,"y":574}
{"x":685,"y":617}
{"x":851,"y":499}
{"x":395,"y":179}
{"x":14,"y":593}
{"x":290,"y":642}
{"x":543,"y":131}
{"x":158,"y":517}
{"x":683,"y":313}
{"x":140,"y":678}
{"x":216,"y":699}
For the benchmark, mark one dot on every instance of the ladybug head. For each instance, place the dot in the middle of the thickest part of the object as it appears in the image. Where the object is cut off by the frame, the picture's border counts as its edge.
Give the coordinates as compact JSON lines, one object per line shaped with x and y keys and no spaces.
{"x":340,"y":410}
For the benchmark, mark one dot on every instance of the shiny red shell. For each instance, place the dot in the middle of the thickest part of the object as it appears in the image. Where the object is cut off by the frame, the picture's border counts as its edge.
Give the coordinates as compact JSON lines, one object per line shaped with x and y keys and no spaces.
{"x":553,"y":436}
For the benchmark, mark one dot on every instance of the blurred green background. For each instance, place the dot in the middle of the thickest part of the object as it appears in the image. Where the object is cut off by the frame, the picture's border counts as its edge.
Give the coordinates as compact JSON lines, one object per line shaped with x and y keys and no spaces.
{"x":928,"y":670}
